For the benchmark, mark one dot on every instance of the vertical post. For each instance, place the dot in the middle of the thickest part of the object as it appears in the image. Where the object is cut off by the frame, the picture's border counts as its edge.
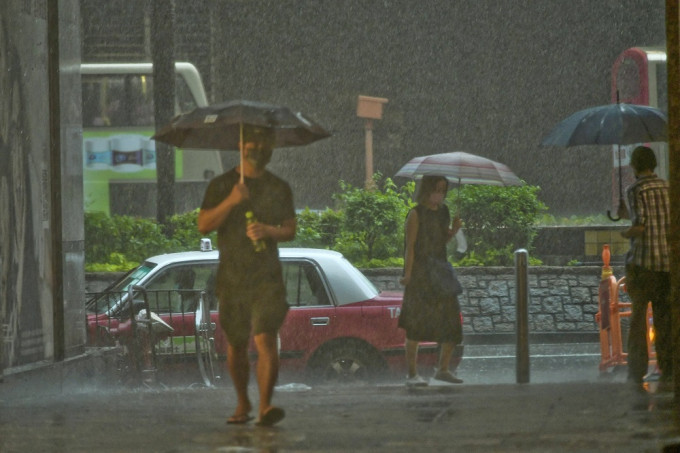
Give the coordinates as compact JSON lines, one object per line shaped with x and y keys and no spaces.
{"x":369,"y":108}
{"x":369,"y":153}
{"x":522,"y":321}
{"x":604,"y":297}
{"x":673,"y":61}
{"x":163,"y":58}
{"x":56,"y":228}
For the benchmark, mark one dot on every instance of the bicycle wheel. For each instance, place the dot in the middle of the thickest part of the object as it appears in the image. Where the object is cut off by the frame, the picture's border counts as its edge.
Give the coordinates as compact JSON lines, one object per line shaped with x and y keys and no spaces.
{"x":205,"y":344}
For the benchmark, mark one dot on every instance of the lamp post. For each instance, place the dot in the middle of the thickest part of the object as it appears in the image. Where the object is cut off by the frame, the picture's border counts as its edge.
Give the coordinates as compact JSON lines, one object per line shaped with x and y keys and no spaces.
{"x":369,"y":108}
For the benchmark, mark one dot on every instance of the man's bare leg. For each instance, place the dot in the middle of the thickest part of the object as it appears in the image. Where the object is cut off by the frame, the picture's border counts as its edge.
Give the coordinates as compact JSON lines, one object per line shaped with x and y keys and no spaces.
{"x":267,"y":369}
{"x":239,"y":369}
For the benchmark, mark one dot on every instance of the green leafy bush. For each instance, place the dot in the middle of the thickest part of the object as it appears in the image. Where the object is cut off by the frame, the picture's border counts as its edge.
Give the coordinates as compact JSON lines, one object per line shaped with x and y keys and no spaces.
{"x":367,"y":226}
{"x":118,"y":243}
{"x":183,"y":231}
{"x":317,"y":229}
{"x":592,"y":220}
{"x":373,"y":220}
{"x":496,"y":221}
{"x":116,"y":263}
{"x":133,"y":238}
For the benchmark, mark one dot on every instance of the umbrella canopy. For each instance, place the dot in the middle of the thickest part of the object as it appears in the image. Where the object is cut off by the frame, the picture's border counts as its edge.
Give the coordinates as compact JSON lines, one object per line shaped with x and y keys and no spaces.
{"x":460,"y":168}
{"x":612,"y":124}
{"x":219,"y":126}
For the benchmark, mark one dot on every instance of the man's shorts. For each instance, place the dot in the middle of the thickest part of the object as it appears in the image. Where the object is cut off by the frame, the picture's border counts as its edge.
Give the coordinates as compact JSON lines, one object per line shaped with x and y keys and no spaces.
{"x":252,"y":311}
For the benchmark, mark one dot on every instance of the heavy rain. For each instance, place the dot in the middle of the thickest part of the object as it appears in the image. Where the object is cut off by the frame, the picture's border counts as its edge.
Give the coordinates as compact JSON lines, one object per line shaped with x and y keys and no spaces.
{"x":132,"y":356}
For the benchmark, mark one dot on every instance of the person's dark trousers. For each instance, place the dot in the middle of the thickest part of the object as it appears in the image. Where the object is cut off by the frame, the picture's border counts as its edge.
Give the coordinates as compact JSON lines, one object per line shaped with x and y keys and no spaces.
{"x":646,"y":286}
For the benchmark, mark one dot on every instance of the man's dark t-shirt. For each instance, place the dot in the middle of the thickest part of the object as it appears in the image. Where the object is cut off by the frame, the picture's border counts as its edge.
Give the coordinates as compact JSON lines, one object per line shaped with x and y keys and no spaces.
{"x":271,"y":200}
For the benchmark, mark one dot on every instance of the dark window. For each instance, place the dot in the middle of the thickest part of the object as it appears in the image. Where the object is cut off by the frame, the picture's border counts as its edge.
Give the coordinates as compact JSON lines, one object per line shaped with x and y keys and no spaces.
{"x":304,"y":286}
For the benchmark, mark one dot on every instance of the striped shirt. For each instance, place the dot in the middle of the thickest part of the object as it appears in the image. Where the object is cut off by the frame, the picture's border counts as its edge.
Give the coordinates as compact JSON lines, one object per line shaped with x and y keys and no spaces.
{"x":649,"y":206}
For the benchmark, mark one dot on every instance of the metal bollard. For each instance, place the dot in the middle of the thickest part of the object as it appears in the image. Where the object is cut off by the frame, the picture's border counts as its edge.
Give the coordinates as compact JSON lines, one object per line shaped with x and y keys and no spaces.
{"x":522,"y":322}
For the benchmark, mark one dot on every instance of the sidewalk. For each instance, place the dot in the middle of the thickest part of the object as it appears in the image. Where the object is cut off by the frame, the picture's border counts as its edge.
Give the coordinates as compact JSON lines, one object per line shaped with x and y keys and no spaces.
{"x":587,"y":415}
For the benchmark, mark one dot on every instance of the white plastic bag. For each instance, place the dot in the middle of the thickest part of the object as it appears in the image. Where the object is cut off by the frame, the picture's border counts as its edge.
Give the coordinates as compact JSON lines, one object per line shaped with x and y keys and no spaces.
{"x":461,"y":242}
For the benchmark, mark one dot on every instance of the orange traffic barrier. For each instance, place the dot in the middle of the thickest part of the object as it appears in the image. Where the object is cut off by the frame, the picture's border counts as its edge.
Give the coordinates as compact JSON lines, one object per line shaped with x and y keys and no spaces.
{"x":609,"y":316}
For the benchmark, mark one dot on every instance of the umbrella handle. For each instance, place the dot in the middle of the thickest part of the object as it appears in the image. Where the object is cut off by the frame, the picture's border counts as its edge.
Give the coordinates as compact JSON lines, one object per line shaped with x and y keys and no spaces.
{"x":609,"y":214}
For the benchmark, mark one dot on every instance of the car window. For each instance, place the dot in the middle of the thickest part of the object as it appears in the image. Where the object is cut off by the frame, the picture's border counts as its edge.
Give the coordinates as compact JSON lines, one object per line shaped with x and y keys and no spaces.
{"x":114,"y":294}
{"x":177,"y":289}
{"x":304,"y":286}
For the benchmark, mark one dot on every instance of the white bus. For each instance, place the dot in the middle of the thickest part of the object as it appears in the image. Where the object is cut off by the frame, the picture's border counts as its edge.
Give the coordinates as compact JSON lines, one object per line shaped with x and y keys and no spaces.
{"x":118,"y":121}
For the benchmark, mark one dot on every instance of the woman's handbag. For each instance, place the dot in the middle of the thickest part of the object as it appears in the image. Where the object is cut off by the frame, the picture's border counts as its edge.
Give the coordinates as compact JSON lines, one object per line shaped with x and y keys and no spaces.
{"x":443,"y":279}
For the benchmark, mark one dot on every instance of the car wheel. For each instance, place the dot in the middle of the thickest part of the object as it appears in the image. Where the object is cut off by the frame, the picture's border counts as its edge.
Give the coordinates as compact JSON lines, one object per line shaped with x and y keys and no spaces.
{"x":346,"y":363}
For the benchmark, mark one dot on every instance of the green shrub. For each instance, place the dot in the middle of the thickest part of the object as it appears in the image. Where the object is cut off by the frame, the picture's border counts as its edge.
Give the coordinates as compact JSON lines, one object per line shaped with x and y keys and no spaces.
{"x":317,"y":229}
{"x":372,"y":226}
{"x":496,"y":221}
{"x":574,"y":220}
{"x":367,"y":226}
{"x":182,"y":229}
{"x":119,"y":243}
{"x":116,"y":263}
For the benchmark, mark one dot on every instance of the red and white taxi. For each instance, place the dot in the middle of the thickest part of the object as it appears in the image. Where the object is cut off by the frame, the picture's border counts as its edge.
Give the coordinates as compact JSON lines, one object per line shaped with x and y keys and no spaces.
{"x":339,"y":327}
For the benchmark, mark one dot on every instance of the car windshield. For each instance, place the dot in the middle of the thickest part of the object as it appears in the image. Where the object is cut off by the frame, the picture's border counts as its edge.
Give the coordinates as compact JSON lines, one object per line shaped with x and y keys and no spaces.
{"x":103,"y":302}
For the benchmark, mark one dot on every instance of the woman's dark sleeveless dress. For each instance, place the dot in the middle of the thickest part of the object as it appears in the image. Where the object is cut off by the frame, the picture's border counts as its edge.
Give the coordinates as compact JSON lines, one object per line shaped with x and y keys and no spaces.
{"x":424,"y":316}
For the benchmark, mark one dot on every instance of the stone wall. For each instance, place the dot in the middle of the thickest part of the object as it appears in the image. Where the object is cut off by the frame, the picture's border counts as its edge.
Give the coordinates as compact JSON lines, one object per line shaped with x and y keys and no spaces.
{"x":563,"y":301}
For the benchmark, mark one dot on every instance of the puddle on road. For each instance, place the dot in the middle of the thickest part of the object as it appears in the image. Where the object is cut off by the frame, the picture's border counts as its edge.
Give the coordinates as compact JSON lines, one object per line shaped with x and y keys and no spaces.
{"x":250,"y":438}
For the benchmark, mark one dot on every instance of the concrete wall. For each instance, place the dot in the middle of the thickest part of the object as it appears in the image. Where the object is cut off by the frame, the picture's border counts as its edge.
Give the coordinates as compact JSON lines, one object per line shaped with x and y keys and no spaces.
{"x":41,"y":228}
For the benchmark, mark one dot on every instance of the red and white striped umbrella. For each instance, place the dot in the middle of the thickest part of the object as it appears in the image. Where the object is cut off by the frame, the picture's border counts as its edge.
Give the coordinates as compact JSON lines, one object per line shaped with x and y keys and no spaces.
{"x":461,"y":168}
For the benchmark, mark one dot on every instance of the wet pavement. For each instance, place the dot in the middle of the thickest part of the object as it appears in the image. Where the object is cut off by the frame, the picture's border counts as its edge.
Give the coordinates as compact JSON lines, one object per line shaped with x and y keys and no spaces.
{"x":576,"y":411}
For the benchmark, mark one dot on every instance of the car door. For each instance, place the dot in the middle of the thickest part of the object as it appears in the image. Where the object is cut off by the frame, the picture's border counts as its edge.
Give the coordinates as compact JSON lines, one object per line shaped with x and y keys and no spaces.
{"x":173,"y":294}
{"x":312,"y":317}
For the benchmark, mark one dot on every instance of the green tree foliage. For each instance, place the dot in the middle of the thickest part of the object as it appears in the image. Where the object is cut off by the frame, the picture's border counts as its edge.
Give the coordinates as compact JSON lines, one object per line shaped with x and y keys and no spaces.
{"x":367,"y":226}
{"x":373,"y":220}
{"x":496,"y":221}
{"x":133,"y":238}
{"x":317,"y":229}
{"x":121,"y":242}
{"x":184,"y":234}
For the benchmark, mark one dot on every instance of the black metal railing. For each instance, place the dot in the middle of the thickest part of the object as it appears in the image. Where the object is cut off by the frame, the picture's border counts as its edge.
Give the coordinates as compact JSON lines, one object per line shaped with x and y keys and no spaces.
{"x":156,"y":330}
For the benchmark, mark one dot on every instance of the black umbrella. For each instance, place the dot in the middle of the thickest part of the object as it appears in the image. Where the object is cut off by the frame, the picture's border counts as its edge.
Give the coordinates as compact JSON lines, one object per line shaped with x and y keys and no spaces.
{"x":612,"y":124}
{"x":220,"y":126}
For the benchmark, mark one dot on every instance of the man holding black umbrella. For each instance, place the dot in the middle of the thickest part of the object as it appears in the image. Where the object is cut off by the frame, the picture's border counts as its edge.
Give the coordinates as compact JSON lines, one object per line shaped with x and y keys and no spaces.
{"x":249,"y":281}
{"x":648,"y":266}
